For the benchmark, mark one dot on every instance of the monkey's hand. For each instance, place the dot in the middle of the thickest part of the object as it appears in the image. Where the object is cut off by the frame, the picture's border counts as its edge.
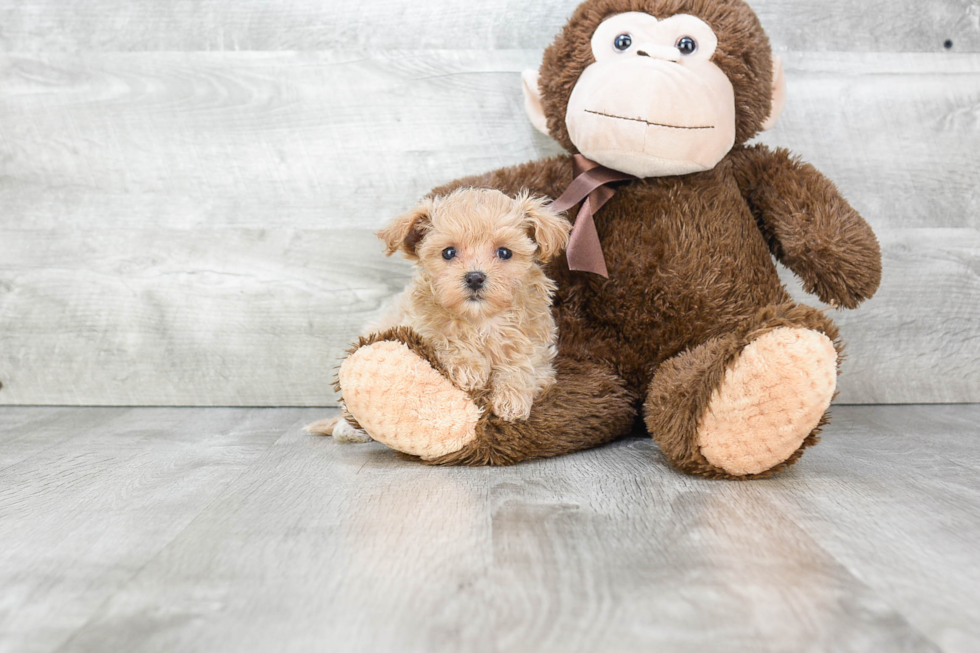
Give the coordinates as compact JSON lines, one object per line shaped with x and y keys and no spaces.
{"x":810,"y":227}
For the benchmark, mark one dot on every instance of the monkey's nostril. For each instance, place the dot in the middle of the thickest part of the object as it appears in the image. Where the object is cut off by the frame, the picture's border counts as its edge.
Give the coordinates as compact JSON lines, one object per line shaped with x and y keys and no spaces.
{"x":475,"y":280}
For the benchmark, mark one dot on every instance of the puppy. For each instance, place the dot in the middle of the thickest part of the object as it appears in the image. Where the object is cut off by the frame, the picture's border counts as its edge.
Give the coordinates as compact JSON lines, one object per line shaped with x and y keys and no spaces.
{"x":479,"y":295}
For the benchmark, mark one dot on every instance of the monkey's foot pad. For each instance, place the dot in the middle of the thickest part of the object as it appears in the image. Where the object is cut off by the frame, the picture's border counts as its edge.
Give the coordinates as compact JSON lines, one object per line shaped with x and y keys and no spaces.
{"x":403,"y":402}
{"x":771,"y":399}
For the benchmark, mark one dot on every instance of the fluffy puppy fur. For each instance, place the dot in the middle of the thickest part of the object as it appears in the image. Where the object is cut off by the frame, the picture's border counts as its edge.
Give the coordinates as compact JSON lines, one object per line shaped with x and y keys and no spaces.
{"x":479,"y":294}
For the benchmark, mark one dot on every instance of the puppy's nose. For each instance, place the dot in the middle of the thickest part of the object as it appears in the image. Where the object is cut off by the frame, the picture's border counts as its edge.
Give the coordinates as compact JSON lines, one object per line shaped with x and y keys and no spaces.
{"x":475,"y":280}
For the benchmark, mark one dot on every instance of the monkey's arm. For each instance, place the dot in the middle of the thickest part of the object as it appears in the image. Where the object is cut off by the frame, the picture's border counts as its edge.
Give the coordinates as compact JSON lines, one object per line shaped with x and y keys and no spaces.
{"x":810,"y":228}
{"x":545,"y":177}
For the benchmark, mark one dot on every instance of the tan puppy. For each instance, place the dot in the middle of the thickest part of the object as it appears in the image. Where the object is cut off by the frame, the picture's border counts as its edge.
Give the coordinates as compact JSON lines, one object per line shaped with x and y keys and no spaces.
{"x":479,"y":296}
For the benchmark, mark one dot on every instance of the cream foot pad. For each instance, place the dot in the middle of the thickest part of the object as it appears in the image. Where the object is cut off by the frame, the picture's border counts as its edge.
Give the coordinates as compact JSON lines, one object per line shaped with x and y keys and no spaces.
{"x":770,"y":400}
{"x":401,"y":401}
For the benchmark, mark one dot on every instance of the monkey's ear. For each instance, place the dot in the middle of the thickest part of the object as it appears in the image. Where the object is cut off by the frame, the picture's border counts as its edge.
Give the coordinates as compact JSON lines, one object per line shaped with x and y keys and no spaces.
{"x":778,"y":93}
{"x":532,"y":101}
{"x":545,"y":226}
{"x":406,"y":231}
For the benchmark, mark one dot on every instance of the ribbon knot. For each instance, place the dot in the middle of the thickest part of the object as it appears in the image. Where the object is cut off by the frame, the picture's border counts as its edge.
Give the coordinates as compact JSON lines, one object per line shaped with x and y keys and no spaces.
{"x":584,"y":251}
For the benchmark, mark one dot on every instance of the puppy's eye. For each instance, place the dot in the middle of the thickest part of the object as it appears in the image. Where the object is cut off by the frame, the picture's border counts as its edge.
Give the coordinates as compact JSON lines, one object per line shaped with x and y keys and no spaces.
{"x":687,"y":45}
{"x":503,"y":253}
{"x":623,"y":42}
{"x":449,"y":253}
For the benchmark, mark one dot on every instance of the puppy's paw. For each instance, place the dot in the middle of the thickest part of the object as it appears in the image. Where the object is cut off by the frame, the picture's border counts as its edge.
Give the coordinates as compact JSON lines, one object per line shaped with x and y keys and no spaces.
{"x":511,"y":404}
{"x":347,"y":434}
{"x":469,"y":377}
{"x":339,"y":429}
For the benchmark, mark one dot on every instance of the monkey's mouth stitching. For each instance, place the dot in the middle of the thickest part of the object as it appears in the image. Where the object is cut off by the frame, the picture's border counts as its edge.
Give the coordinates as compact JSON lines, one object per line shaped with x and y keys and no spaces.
{"x":652,"y":124}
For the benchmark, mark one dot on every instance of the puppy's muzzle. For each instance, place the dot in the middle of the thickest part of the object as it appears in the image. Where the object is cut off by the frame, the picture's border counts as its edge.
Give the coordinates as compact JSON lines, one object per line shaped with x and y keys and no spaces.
{"x":475,"y":280}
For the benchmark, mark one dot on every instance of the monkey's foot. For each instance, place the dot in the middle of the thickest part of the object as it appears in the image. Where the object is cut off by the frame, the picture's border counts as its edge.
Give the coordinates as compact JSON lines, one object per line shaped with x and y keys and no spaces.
{"x":402,"y":401}
{"x":770,"y":400}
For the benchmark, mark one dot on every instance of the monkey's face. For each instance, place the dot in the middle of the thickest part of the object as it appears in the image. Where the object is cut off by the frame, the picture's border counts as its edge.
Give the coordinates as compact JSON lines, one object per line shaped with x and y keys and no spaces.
{"x":665,"y":90}
{"x":653,"y":104}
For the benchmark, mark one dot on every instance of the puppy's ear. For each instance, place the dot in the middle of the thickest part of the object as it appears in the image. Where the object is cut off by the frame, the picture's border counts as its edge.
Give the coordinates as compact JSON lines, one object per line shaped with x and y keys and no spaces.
{"x":406,"y":231}
{"x":545,"y":226}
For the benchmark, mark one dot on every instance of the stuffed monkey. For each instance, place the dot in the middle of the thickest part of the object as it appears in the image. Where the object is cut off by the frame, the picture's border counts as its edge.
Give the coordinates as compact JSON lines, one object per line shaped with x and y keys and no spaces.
{"x":669,"y":307}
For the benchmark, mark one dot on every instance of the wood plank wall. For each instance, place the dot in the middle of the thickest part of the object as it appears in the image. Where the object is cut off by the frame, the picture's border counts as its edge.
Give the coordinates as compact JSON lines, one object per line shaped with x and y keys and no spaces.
{"x":188,"y":189}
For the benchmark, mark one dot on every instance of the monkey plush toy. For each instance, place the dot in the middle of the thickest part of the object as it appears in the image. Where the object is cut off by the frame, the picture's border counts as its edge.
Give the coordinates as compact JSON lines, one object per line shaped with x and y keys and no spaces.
{"x":669,"y":306}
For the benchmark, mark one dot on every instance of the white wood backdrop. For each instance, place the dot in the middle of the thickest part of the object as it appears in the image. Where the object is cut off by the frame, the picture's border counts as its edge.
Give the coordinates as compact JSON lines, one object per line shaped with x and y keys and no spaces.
{"x":188,"y":189}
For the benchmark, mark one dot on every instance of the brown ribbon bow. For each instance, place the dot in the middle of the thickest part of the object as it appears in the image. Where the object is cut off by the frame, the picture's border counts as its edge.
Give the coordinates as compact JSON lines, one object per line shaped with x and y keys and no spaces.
{"x":584,"y":251}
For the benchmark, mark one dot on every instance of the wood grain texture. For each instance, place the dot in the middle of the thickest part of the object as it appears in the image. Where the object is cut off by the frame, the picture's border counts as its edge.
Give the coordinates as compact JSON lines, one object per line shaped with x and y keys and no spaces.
{"x":185,"y":317}
{"x":332,"y":140}
{"x":893,"y":462}
{"x":322,"y":140}
{"x":109,"y":25}
{"x":894,"y":132}
{"x":255,"y":317}
{"x":105,"y":494}
{"x":190,"y":228}
{"x":201,"y":534}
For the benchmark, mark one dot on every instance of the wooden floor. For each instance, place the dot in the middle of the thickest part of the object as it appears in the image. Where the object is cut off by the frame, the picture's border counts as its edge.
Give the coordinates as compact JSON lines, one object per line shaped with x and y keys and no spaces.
{"x":232,"y":530}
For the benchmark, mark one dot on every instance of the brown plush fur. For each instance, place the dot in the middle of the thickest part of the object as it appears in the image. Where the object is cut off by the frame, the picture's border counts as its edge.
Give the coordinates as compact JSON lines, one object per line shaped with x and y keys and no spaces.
{"x":691,"y":274}
{"x":683,"y":386}
{"x":809,"y":227}
{"x":579,"y":383}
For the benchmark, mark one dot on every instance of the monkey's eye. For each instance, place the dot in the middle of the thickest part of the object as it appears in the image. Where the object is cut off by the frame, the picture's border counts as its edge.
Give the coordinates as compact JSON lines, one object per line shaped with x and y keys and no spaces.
{"x":449,"y":253}
{"x":687,"y":45}
{"x":623,"y":42}
{"x":504,"y":254}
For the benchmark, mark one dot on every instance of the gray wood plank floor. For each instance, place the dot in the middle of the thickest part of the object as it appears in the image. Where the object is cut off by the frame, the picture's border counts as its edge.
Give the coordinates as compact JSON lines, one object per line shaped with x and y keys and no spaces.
{"x":230,"y":529}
